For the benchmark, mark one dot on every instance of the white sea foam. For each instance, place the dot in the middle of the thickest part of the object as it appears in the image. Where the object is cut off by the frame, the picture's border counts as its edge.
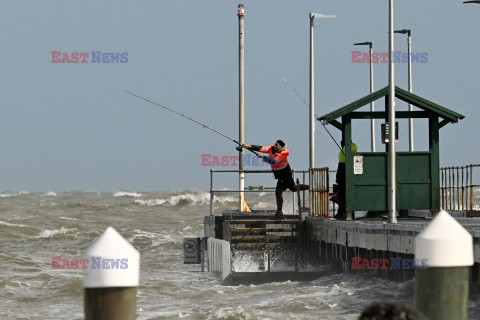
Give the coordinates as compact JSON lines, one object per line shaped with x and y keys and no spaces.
{"x":49,"y":194}
{"x":141,"y":234}
{"x":51,"y":233}
{"x":69,"y":218}
{"x":187,"y":199}
{"x":150,"y":202}
{"x":127,"y":194}
{"x":13,"y":194}
{"x":236,"y":313}
{"x":144,"y":234}
{"x":164,"y":239}
{"x":263,"y":206}
{"x":245,"y":262}
{"x":14,"y":224}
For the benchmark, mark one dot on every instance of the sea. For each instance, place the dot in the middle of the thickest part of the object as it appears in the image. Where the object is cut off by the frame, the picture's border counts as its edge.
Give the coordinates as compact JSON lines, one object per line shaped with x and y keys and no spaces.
{"x":35,"y":227}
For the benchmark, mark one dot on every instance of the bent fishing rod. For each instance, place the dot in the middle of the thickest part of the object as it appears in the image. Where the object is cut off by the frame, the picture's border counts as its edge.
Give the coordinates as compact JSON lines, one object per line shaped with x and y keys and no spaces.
{"x":306,"y":104}
{"x":240,"y":146}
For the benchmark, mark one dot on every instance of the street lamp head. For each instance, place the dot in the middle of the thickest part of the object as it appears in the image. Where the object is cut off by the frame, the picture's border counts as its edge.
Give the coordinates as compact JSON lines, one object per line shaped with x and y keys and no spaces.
{"x":404,"y":31}
{"x":477,"y":1}
{"x":241,"y":10}
{"x":321,"y":16}
{"x":363,"y":44}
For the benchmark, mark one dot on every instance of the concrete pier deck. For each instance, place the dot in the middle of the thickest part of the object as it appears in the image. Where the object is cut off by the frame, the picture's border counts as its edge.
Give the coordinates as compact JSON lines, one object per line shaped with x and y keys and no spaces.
{"x":354,"y":245}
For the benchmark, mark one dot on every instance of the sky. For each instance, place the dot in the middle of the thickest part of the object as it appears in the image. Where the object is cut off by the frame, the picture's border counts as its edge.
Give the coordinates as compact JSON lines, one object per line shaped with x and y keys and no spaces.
{"x":66,"y":126}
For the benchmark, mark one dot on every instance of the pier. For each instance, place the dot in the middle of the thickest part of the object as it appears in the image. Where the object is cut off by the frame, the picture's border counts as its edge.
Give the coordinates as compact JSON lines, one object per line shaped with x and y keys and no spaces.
{"x":355,"y":246}
{"x":347,"y":244}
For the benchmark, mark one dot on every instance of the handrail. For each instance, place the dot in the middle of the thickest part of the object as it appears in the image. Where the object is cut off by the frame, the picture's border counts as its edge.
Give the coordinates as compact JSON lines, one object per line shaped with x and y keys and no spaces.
{"x":319,"y":192}
{"x":213,"y":191}
{"x":457,"y":187}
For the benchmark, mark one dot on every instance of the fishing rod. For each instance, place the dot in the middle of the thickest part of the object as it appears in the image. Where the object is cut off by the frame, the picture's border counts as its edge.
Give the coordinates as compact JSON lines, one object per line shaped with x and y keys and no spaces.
{"x":306,"y":104}
{"x":240,"y":146}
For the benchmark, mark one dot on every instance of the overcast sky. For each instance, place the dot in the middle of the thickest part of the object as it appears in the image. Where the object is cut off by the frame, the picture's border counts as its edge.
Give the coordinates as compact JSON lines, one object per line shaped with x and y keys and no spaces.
{"x":65,"y":126}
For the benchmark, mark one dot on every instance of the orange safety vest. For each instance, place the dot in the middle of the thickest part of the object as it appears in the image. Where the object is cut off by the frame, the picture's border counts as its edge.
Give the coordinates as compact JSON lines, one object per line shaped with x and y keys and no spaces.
{"x":279,"y":157}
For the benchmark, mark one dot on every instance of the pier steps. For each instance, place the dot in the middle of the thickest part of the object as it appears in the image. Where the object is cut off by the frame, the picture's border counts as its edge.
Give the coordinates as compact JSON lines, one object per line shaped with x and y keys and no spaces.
{"x":261,"y":234}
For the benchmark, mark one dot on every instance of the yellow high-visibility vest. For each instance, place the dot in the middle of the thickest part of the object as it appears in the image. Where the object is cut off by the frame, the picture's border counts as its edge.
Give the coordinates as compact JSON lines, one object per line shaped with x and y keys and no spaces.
{"x":341,"y":155}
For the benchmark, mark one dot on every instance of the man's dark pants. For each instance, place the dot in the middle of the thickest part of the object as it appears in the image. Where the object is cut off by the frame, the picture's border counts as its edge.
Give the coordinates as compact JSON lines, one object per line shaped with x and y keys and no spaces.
{"x":283,"y":184}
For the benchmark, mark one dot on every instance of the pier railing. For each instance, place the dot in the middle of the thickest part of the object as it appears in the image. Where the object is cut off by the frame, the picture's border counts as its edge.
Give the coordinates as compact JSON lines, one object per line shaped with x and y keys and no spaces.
{"x":319,"y":192}
{"x":252,"y":188}
{"x":458,"y":189}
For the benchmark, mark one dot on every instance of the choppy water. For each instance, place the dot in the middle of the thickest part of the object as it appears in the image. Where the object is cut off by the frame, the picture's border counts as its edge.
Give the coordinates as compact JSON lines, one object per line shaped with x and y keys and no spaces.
{"x":34,"y":227}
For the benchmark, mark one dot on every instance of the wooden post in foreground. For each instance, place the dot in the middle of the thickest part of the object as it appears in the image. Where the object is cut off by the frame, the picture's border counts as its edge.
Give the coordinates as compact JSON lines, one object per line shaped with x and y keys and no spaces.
{"x":112,"y":278}
{"x":441,"y":287}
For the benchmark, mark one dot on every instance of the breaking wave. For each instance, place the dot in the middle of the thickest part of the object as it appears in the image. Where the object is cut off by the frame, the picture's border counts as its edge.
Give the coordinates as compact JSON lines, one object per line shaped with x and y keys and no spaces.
{"x":51,"y":233}
{"x":12,"y":194}
{"x":127,"y":194}
{"x":19,"y":225}
{"x":186,"y":199}
{"x":261,"y":205}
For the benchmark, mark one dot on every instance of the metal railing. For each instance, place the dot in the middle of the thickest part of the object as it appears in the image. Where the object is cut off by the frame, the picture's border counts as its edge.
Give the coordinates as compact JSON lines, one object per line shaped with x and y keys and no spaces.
{"x":246,"y":190}
{"x":319,"y":192}
{"x":457,"y":188}
{"x":304,"y":175}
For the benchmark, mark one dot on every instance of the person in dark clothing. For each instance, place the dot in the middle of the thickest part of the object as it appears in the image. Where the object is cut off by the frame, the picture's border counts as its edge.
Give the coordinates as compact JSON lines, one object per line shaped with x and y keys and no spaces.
{"x":340,"y":180}
{"x":277,"y":157}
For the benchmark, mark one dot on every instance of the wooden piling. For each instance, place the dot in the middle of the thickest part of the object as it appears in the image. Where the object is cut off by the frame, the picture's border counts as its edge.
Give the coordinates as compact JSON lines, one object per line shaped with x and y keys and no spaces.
{"x":441,"y":286}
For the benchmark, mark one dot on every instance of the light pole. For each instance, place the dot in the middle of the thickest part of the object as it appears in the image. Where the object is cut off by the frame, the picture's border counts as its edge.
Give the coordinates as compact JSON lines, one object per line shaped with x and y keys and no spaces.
{"x":410,"y":107}
{"x":312,"y":82}
{"x":392,"y":181}
{"x":372,"y":104}
{"x":241,"y":101}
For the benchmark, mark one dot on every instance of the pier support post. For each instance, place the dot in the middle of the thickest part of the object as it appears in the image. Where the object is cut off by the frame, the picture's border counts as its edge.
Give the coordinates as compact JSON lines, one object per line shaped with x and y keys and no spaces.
{"x":112,"y":278}
{"x":441,"y":285}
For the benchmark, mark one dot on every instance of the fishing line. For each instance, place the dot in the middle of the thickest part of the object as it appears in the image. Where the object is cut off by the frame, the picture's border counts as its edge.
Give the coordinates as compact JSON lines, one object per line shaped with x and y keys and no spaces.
{"x":191,"y":119}
{"x":306,"y":104}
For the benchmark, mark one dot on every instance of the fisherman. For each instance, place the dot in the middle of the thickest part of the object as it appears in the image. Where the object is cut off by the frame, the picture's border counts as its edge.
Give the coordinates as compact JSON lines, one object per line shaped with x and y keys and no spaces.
{"x":340,"y":180}
{"x":277,"y":157}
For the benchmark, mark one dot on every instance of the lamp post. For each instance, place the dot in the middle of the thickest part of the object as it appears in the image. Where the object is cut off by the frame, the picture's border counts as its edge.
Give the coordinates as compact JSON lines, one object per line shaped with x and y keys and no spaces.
{"x":312,"y":82}
{"x":241,"y":98}
{"x":392,"y":181}
{"x":372,"y":104}
{"x":410,"y":107}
